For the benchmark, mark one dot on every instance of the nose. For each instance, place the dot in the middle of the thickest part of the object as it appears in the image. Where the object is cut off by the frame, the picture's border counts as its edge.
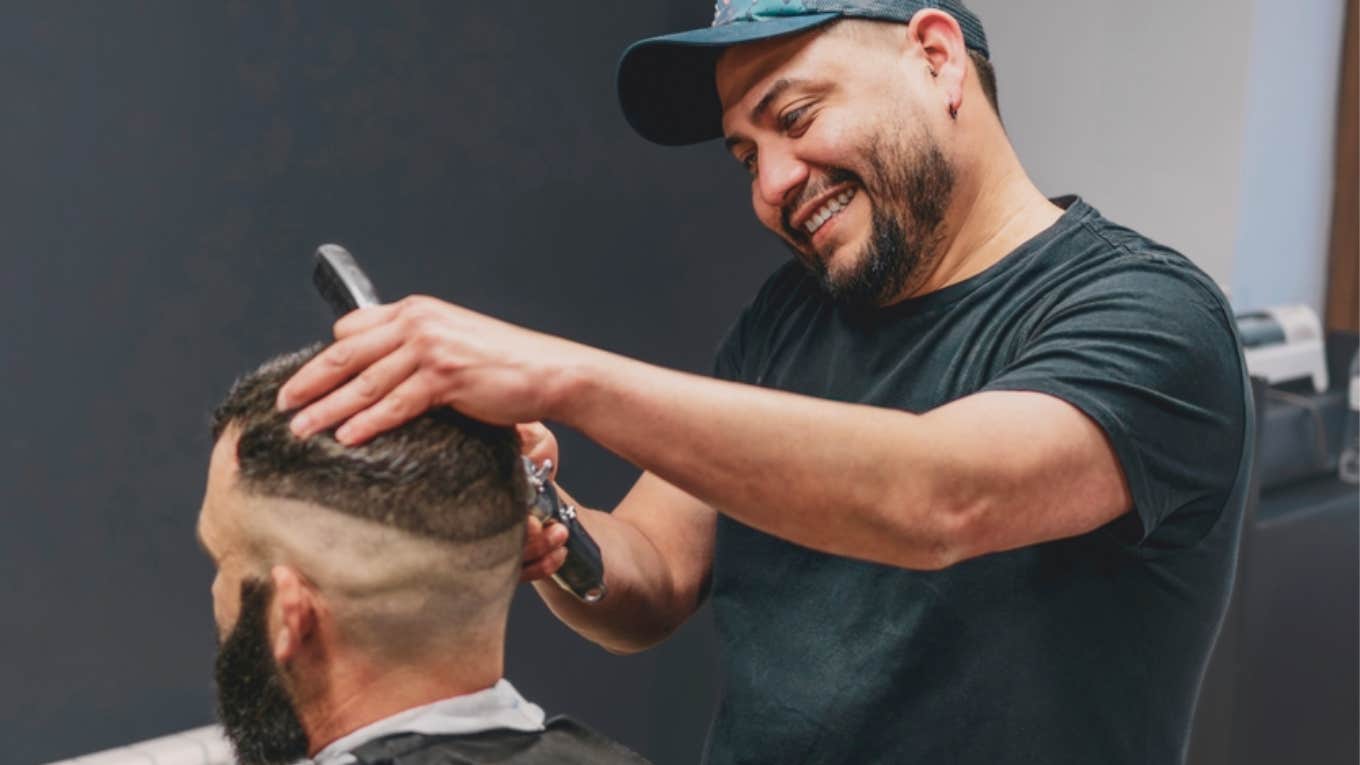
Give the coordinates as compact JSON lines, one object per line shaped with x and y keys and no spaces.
{"x":780,"y":174}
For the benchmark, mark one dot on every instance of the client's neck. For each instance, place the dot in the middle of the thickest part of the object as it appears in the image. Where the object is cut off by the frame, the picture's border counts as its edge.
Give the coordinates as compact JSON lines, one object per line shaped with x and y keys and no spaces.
{"x":358,"y":691}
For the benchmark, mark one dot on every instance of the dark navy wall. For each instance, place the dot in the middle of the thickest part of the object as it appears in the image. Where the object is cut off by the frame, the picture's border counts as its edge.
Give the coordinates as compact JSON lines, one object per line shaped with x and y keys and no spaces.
{"x":166,"y":169}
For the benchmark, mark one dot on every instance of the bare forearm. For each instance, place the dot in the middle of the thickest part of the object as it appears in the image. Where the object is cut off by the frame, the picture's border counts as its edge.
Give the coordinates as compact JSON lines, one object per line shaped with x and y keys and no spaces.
{"x":807,"y":470}
{"x":642,"y":607}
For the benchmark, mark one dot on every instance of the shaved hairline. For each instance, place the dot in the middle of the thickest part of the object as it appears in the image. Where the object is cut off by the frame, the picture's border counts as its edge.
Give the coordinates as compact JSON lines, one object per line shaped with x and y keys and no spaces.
{"x":395,"y":593}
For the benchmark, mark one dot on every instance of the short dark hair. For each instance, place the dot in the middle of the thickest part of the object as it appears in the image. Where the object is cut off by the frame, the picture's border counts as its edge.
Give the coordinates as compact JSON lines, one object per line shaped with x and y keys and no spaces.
{"x":986,"y":78}
{"x":442,"y":475}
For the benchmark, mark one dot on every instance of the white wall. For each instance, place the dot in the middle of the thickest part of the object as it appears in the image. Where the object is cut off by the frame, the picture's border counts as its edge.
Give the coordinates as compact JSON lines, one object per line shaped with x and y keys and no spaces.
{"x":1287,"y":160}
{"x":1206,"y":125}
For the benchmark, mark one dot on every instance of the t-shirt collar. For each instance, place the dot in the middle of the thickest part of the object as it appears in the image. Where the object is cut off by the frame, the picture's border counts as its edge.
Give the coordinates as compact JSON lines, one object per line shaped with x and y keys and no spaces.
{"x":499,"y":706}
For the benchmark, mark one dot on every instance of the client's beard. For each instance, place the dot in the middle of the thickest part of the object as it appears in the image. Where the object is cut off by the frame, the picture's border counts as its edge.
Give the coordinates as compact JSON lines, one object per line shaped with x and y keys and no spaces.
{"x":252,"y":702}
{"x":909,"y":192}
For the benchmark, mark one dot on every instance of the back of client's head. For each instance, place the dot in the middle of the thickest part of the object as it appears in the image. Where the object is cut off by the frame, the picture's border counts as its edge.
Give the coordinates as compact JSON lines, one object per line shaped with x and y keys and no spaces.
{"x":406,"y":549}
{"x":412,"y":536}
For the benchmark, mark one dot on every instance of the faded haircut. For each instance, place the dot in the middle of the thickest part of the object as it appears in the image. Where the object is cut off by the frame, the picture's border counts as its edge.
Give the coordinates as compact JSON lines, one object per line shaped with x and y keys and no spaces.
{"x":442,"y":476}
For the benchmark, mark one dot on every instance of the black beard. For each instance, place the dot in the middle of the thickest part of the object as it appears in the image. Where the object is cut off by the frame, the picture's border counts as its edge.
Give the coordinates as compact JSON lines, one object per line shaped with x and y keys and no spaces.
{"x":254,"y":706}
{"x":908,"y":196}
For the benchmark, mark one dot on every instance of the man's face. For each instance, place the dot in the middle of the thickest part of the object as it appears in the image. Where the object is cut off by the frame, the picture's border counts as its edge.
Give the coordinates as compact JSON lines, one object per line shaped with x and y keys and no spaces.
{"x":253,"y":702}
{"x":844,"y":166}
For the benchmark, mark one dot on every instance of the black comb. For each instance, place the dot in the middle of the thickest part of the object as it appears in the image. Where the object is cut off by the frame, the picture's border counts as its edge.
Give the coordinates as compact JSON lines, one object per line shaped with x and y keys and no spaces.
{"x":342,"y":284}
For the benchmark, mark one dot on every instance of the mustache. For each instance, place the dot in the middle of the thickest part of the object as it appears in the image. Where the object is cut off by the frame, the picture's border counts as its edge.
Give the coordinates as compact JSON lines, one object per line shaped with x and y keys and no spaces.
{"x":834,"y":177}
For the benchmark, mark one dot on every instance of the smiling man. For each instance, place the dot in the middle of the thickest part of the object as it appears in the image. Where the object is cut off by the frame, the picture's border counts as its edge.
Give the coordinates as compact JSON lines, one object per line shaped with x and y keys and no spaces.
{"x":865,"y":249}
{"x":969,"y":485}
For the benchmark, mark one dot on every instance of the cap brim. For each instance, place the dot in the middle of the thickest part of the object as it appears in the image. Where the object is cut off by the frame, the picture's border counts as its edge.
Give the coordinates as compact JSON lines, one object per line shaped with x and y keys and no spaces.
{"x":666,"y":83}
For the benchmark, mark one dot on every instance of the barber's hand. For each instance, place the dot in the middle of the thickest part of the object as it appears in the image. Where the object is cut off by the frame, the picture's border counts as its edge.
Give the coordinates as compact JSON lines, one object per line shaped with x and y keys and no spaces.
{"x":392,"y":362}
{"x":543,"y":546}
{"x":544,"y":549}
{"x":538,"y":443}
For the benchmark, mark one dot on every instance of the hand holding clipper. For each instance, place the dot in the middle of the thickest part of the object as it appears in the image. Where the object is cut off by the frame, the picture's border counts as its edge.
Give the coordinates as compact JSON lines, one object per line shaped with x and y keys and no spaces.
{"x":582,"y":573}
{"x":345,"y":287}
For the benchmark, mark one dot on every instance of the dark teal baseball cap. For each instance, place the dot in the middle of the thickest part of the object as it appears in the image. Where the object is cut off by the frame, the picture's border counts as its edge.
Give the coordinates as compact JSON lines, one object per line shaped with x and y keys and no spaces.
{"x":666,"y":83}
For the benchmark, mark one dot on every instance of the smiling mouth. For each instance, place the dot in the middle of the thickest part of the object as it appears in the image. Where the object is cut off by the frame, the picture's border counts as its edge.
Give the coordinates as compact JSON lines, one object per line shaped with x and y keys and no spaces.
{"x":828,"y":210}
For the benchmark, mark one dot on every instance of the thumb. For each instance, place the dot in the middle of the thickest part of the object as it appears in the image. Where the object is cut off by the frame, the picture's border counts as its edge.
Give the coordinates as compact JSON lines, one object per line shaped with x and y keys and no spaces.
{"x":538,"y":444}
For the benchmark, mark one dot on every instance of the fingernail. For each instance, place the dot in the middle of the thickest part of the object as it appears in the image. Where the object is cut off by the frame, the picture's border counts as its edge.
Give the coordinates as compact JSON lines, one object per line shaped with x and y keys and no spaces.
{"x":282,"y":402}
{"x":343,"y":434}
{"x":301,"y":425}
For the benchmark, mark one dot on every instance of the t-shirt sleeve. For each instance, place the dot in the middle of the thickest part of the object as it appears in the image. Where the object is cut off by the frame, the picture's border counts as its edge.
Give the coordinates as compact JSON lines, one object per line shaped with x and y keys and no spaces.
{"x":1148,"y":353}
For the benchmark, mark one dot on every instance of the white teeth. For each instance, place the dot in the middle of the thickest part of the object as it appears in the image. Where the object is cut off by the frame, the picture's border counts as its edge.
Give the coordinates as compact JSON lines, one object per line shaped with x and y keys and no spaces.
{"x":824,"y":213}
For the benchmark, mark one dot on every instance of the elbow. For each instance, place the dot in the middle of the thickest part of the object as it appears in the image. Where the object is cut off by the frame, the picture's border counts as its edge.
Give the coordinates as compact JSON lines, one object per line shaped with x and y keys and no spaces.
{"x":644,"y":628}
{"x":950,"y":531}
{"x":961,"y":530}
{"x":622,"y":648}
{"x":626,"y":647}
{"x":949,"y":546}
{"x":633,"y":642}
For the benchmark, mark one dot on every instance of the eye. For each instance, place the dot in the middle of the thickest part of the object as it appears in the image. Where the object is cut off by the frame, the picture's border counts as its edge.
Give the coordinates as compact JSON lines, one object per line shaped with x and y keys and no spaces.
{"x":748,"y":161}
{"x":793,"y":120}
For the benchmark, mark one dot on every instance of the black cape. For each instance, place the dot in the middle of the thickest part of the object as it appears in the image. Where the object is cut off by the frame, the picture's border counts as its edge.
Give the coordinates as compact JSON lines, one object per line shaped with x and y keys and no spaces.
{"x":562,"y":742}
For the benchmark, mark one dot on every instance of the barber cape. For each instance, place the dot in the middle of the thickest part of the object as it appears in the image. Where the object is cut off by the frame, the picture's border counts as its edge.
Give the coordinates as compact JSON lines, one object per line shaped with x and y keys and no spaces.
{"x":496,"y":725}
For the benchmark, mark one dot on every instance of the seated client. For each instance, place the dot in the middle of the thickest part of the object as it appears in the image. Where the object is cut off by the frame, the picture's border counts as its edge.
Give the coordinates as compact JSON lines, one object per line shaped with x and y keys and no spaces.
{"x":362,"y":593}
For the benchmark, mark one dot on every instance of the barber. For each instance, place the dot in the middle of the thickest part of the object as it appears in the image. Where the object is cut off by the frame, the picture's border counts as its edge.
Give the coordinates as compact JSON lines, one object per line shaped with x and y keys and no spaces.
{"x":968,"y":484}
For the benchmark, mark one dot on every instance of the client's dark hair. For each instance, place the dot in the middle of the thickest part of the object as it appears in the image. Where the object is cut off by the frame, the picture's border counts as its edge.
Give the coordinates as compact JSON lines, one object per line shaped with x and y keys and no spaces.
{"x":441,"y":475}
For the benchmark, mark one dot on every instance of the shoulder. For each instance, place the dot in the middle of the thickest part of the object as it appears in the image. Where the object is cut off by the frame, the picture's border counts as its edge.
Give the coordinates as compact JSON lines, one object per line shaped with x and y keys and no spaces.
{"x":1123,"y":309}
{"x":1110,"y":265}
{"x":1141,"y":340}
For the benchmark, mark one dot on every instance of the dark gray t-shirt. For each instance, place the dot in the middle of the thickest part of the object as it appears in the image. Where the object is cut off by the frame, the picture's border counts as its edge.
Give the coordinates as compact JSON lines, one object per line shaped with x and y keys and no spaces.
{"x":1083,"y":650}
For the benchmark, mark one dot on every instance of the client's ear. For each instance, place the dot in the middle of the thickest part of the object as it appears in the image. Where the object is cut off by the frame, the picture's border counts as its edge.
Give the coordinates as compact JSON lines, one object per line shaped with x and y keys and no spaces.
{"x":293,"y":612}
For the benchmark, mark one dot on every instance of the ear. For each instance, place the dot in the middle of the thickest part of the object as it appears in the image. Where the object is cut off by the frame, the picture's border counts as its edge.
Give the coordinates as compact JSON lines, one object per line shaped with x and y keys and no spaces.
{"x":941,"y":42}
{"x":293,"y":613}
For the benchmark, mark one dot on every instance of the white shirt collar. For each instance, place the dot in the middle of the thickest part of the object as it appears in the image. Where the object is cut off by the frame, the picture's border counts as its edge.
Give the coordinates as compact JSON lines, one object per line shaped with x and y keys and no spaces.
{"x":499,"y":706}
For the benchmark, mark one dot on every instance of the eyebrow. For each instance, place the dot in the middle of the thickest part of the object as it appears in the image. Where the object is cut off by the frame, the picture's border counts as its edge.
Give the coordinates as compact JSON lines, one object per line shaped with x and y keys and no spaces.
{"x":776,"y":90}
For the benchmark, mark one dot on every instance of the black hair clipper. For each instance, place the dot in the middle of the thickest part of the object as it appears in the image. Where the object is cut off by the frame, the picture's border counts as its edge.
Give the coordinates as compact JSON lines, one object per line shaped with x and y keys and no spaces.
{"x":344,"y":286}
{"x":582,"y":573}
